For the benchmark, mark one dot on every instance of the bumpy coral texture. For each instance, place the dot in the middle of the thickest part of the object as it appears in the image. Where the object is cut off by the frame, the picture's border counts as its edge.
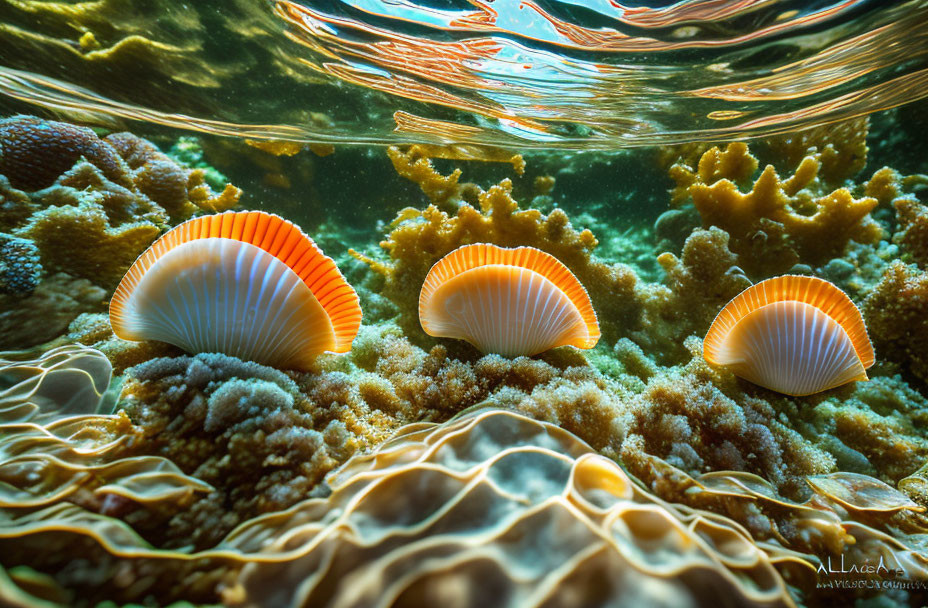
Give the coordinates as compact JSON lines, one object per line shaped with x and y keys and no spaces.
{"x":507,"y":512}
{"x":896,"y":313}
{"x":35,"y":152}
{"x":20,"y":266}
{"x":245,"y":429}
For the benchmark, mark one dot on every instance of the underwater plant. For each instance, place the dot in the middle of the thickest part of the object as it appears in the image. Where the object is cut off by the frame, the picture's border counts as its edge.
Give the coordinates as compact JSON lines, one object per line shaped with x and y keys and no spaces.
{"x":248,"y":284}
{"x":519,"y":301}
{"x":796,"y":335}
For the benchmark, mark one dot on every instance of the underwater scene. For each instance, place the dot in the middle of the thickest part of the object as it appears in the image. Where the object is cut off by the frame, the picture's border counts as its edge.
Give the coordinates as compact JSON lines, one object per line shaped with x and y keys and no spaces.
{"x":463,"y":303}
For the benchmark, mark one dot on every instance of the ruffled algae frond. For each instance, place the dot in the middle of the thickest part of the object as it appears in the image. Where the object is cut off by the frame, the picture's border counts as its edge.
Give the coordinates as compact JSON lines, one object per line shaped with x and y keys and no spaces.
{"x":216,"y":479}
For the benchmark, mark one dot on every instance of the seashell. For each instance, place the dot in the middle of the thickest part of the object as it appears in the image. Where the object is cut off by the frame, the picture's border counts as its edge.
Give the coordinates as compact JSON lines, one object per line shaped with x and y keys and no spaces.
{"x":248,"y":284}
{"x":793,"y":334}
{"x":512,"y":302}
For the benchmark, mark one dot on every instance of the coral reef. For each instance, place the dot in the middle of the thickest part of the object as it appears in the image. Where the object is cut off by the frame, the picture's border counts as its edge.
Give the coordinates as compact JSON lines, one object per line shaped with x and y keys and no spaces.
{"x":60,"y":298}
{"x":896,"y":312}
{"x":504,"y":510}
{"x":839,"y":148}
{"x":696,"y":287}
{"x":243,"y":428}
{"x":778,"y":223}
{"x":107,"y":200}
{"x":87,"y":206}
{"x":35,"y":152}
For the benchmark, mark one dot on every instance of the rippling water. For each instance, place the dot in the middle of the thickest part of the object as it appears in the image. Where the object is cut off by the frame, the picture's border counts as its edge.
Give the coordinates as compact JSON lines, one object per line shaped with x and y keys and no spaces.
{"x":528,"y":73}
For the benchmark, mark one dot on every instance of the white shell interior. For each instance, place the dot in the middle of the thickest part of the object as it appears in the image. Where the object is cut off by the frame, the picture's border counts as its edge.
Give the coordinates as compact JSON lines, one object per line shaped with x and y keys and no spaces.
{"x":793,"y":348}
{"x":506,"y":310}
{"x":223,"y":295}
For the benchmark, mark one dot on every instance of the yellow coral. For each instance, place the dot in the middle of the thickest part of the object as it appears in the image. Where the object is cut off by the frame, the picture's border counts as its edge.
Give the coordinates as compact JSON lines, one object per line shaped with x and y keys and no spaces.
{"x":779,"y":223}
{"x":79,"y":240}
{"x":840,"y":148}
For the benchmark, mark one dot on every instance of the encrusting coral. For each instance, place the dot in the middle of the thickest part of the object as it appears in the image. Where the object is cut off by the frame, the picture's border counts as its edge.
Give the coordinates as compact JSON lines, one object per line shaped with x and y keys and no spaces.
{"x":243,"y":428}
{"x":896,"y":312}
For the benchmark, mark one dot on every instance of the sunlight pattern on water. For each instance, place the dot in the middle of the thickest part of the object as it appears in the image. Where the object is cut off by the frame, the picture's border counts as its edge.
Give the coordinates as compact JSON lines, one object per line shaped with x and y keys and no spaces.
{"x":529,"y":73}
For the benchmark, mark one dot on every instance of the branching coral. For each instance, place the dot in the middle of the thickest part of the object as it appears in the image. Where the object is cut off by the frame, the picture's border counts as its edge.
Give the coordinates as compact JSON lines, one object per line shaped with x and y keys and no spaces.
{"x":503,"y":510}
{"x":779,"y":222}
{"x":421,"y":238}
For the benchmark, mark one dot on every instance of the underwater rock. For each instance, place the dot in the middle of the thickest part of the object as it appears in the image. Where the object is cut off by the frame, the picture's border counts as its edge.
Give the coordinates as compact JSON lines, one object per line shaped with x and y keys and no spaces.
{"x":495,"y":508}
{"x":20,"y":266}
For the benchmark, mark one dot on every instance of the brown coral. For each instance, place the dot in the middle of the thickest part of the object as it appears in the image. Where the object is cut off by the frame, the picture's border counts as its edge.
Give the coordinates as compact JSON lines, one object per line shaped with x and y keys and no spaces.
{"x":896,"y":313}
{"x":178,"y":190}
{"x":243,"y":428}
{"x":106,"y":202}
{"x":697,"y":285}
{"x":840,"y":148}
{"x":778,"y":222}
{"x":34,"y":152}
{"x":47,"y":311}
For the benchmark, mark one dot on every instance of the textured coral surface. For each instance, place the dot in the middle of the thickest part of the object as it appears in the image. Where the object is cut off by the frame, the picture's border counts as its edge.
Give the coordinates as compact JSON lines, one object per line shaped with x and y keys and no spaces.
{"x":81,"y":207}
